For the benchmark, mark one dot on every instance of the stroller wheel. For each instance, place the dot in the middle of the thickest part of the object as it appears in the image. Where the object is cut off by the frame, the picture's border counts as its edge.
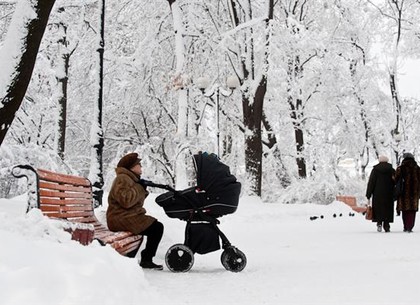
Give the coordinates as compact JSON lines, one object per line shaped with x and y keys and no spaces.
{"x":233,"y":259}
{"x":179,"y":258}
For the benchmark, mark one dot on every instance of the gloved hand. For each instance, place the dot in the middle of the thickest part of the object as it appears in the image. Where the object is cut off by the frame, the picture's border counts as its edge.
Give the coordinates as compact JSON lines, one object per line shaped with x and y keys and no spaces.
{"x":398,"y":213}
{"x":145,"y":183}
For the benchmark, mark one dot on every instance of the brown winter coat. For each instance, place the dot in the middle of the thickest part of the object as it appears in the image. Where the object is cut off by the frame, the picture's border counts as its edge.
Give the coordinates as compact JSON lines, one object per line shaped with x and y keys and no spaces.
{"x":409,"y":200}
{"x":125,"y":204}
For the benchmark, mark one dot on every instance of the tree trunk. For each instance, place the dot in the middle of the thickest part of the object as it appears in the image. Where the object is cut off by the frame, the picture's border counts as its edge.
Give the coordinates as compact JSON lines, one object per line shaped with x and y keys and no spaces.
{"x":253,"y":141}
{"x":397,"y":130}
{"x":295,"y":71}
{"x":280,"y":169}
{"x":178,"y":84}
{"x":299,"y":137}
{"x":62,"y":109}
{"x":300,"y":160}
{"x":297,"y":126}
{"x":364,"y":154}
{"x":253,"y":111}
{"x":62,"y":80}
{"x":97,"y":134}
{"x":397,"y":8}
{"x":20,"y":66}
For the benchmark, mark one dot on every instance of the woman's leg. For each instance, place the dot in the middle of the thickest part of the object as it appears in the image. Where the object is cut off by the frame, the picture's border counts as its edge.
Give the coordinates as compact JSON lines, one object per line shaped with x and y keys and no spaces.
{"x":387,"y":226}
{"x":410,"y":218}
{"x":404,"y":219}
{"x":379,"y":226}
{"x":154,"y":235}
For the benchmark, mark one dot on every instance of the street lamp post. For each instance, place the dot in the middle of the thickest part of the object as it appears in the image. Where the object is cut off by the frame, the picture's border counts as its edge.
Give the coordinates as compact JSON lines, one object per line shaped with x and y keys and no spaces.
{"x":232,"y":82}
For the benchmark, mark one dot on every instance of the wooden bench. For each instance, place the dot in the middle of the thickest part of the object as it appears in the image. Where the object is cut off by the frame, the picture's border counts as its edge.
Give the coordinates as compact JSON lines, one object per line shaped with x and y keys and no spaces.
{"x":69,"y":198}
{"x":351,"y":201}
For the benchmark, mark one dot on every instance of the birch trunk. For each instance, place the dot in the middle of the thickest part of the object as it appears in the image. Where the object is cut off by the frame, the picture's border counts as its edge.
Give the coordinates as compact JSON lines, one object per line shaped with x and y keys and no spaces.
{"x":178,"y":84}
{"x":97,"y":134}
{"x":62,"y":79}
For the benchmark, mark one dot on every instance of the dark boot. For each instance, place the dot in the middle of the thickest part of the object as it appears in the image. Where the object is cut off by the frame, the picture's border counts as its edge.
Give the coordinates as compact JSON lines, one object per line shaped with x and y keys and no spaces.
{"x":387,"y":227}
{"x":154,"y":235}
{"x":147,"y":262}
{"x":150,"y":265}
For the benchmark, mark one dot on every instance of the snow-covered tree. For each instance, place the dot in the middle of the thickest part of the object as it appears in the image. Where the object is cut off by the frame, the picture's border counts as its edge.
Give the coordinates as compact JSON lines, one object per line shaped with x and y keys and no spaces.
{"x":96,"y":132}
{"x":18,"y":55}
{"x":310,"y":95}
{"x":399,"y":24}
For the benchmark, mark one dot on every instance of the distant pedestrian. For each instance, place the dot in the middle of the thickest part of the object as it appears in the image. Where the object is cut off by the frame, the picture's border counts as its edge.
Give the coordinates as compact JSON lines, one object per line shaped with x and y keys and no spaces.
{"x":408,"y":201}
{"x":380,"y":188}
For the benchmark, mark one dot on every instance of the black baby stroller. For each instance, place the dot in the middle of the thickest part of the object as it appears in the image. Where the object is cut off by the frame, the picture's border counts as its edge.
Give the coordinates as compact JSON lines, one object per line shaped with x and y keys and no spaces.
{"x":216,"y":194}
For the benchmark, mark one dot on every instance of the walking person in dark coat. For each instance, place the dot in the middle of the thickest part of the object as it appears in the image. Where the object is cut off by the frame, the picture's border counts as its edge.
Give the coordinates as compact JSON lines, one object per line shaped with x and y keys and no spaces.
{"x":408,"y":201}
{"x":380,"y":187}
{"x":126,"y":212}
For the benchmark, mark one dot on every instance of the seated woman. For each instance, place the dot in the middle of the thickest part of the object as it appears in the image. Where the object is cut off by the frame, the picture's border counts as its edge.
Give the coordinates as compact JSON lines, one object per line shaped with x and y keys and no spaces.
{"x":126,"y":212}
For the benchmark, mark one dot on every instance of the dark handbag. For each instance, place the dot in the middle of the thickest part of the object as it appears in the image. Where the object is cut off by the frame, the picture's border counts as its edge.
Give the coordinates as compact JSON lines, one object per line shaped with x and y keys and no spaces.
{"x":369,"y":213}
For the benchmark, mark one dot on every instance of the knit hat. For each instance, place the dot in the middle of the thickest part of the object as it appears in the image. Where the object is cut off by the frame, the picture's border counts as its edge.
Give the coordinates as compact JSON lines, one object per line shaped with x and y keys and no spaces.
{"x":128,"y":161}
{"x":383,"y":158}
{"x":408,"y":156}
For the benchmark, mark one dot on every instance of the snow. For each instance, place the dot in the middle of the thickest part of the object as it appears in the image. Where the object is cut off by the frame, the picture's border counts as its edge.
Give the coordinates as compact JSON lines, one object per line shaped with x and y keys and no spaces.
{"x":291,"y":260}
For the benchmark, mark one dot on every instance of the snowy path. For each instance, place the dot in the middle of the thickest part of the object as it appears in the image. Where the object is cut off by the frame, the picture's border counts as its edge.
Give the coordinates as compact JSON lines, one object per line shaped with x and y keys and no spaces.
{"x":291,"y":260}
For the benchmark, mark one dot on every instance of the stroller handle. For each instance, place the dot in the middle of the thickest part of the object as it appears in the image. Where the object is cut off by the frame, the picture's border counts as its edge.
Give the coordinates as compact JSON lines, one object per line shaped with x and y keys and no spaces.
{"x":152,"y":184}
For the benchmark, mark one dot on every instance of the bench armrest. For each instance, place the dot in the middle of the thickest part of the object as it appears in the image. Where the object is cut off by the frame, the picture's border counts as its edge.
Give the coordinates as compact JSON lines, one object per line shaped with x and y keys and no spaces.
{"x":28,"y":172}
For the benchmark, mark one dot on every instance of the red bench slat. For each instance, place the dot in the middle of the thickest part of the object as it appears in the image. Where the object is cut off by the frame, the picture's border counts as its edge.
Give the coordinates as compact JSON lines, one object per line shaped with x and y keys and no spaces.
{"x":51,"y":201}
{"x":64,"y":208}
{"x":54,"y":194}
{"x":67,"y":215}
{"x":62,"y":178}
{"x":64,"y":187}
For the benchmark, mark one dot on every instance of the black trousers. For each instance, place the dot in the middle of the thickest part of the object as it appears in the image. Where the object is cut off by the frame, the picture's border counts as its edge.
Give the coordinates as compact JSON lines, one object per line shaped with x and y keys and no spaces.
{"x":409,"y":218}
{"x":154,"y":235}
{"x":385,"y":224}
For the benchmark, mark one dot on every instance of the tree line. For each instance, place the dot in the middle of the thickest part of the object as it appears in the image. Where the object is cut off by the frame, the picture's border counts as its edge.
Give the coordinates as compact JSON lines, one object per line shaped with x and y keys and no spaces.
{"x":316,"y":82}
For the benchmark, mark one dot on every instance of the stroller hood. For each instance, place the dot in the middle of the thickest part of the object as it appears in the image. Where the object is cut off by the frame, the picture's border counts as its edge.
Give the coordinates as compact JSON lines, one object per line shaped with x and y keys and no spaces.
{"x":212,"y":175}
{"x":217,"y":191}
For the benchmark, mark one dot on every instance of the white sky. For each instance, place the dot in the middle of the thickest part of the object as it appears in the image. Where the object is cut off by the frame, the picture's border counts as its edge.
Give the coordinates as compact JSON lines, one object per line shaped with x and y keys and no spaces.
{"x":409,"y":79}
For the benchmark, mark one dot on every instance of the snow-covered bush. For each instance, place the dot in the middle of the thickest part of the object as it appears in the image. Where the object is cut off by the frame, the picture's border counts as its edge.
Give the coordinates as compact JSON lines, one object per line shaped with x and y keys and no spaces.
{"x":319,"y":189}
{"x":36,"y":156}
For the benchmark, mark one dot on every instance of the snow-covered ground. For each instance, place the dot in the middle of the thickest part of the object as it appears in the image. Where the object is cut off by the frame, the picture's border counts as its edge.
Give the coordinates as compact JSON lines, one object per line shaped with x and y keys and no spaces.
{"x":291,"y":260}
